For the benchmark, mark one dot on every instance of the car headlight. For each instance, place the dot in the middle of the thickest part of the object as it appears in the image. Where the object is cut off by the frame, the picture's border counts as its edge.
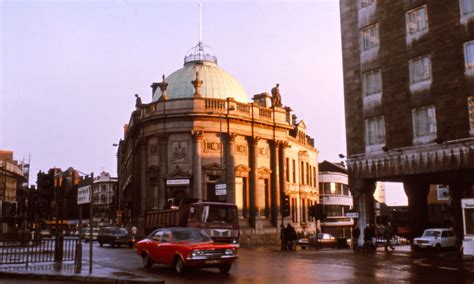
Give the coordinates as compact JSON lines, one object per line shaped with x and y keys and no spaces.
{"x":234,"y":241}
{"x":195,"y":253}
{"x":229,"y":252}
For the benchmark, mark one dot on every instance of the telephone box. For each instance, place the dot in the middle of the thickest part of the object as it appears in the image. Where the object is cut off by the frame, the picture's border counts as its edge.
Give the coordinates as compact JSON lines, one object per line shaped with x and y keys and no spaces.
{"x":467,"y":205}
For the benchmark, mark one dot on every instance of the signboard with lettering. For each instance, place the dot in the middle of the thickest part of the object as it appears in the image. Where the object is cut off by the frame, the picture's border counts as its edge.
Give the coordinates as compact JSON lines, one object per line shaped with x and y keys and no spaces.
{"x":177,"y":182}
{"x":221,"y":189}
{"x":84,"y":194}
{"x":352,"y":214}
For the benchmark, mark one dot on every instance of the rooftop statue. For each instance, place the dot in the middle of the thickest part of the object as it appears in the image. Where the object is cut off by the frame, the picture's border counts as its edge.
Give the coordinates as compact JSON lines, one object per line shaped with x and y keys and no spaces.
{"x":138,"y":102}
{"x":276,"y":98}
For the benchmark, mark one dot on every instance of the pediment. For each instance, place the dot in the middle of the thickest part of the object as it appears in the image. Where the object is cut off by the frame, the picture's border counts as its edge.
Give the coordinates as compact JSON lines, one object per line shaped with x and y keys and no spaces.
{"x":242,"y":168}
{"x":211,"y":166}
{"x":178,"y":173}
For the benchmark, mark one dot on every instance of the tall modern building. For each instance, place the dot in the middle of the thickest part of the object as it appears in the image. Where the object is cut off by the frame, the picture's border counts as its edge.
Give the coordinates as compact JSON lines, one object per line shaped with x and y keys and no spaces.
{"x":200,"y":130}
{"x":409,"y":99}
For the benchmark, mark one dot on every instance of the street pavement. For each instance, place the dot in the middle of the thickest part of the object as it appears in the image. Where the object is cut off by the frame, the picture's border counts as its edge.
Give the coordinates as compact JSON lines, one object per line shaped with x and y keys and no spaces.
{"x":268,"y":265}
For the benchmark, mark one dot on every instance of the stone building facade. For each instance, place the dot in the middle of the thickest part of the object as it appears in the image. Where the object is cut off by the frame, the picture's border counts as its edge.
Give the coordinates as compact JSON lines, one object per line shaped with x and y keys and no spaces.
{"x":409,"y":98}
{"x":200,"y":130}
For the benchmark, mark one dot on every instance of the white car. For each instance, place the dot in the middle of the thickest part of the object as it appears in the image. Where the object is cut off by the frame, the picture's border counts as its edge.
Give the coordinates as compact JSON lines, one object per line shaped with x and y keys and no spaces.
{"x":435,"y":238}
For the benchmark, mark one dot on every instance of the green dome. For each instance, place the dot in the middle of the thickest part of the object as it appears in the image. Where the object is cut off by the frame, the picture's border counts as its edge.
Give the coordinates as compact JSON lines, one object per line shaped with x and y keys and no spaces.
{"x":217,"y":83}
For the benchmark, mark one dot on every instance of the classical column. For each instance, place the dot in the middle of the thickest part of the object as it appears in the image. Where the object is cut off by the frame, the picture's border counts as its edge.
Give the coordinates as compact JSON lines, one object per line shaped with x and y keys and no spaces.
{"x":143,"y":179}
{"x":230,"y":165}
{"x":456,"y":192}
{"x":253,"y":179}
{"x":197,"y":165}
{"x":274,"y":147}
{"x":417,"y":192}
{"x":281,"y":173}
{"x":163,"y":161}
{"x":362,"y":192}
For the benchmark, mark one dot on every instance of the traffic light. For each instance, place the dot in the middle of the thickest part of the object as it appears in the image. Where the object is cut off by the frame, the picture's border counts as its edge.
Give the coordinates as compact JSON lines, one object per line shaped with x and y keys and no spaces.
{"x":319,"y":212}
{"x":286,"y":206}
{"x":13,"y":209}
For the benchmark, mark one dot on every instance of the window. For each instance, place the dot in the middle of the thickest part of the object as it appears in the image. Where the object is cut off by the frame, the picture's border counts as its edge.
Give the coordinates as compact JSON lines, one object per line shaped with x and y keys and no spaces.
{"x":424,"y":121}
{"x":467,"y":6}
{"x":369,"y":37}
{"x":420,"y":69}
{"x":287,"y":172}
{"x":372,"y":83}
{"x":416,"y":20}
{"x":375,"y":130}
{"x":469,"y":54}
{"x":366,"y":3}
{"x":294,"y":171}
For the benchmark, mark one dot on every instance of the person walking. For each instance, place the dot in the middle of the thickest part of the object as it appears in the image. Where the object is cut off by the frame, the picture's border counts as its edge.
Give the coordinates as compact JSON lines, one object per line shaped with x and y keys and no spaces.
{"x":388,"y":235}
{"x":367,"y":238}
{"x":355,"y":238}
{"x":291,"y":236}
{"x":283,"y":238}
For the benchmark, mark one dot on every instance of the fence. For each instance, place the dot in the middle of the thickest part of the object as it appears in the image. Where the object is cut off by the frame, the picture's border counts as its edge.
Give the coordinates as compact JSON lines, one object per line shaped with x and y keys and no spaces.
{"x":18,"y":252}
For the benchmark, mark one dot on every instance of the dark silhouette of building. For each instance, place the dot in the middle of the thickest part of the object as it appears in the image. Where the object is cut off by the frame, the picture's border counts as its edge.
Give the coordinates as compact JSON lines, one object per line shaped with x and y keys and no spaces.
{"x":409,"y":99}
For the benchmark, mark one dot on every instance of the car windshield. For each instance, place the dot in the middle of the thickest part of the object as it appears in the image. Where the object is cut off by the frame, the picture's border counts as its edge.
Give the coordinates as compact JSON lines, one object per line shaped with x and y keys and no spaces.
{"x":430,"y":233}
{"x":219,"y":214}
{"x":190,"y":236}
{"x":115,"y":231}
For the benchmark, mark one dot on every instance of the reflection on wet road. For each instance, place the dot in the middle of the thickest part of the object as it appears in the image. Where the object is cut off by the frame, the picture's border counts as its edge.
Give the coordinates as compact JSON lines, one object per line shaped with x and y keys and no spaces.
{"x":263,"y":265}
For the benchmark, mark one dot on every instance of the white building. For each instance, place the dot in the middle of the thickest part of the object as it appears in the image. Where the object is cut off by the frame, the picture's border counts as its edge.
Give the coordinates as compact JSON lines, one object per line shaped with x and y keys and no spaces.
{"x":336,"y":198}
{"x":104,"y":199}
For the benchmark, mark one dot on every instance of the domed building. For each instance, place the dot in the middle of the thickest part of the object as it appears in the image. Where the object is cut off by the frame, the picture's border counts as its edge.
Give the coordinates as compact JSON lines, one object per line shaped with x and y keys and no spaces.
{"x":200,"y":129}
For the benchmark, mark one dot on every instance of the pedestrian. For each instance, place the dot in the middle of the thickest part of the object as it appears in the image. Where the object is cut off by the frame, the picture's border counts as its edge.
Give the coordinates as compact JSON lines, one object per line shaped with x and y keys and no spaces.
{"x":291,"y":236}
{"x":133,"y":231}
{"x":367,"y":238}
{"x":283,"y":239}
{"x":388,"y":235}
{"x":355,"y":237}
{"x":373,"y":242}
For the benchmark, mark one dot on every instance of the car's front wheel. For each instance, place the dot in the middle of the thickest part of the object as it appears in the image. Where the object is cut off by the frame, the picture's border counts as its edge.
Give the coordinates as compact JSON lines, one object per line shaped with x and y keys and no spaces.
{"x":225,"y":268}
{"x":179,"y":266}
{"x":438,"y":248}
{"x":147,"y":262}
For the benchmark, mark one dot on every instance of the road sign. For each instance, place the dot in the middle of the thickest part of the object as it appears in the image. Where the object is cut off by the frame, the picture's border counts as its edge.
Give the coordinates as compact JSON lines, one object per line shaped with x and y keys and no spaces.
{"x":221,"y":189}
{"x":352,"y":214}
{"x":84,"y":194}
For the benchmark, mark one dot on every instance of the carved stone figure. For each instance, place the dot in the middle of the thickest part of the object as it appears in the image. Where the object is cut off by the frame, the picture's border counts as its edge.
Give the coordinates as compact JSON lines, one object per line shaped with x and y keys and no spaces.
{"x":163,"y":86}
{"x":138,"y":102}
{"x":197,"y":85}
{"x":276,"y":96}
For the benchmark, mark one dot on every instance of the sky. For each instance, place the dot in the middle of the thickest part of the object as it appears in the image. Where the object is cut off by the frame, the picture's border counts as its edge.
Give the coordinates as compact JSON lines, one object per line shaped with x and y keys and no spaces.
{"x":70,"y":69}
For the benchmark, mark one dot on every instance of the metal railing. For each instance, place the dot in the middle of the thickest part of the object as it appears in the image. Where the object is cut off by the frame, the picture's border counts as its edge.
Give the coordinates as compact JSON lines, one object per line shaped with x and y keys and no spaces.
{"x":33,"y":251}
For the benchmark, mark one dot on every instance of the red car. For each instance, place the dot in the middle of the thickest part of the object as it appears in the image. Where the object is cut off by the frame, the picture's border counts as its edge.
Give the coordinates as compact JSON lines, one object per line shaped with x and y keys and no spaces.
{"x":185,"y":248}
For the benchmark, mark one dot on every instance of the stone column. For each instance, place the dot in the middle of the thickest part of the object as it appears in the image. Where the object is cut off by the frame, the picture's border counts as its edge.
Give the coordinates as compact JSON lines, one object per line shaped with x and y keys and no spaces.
{"x":417,"y":192}
{"x":163,"y":161}
{"x":197,"y":165}
{"x":274,"y":185}
{"x":230,"y":165}
{"x":362,"y":192}
{"x":253,"y":179}
{"x":143,"y":179}
{"x":456,"y":192}
{"x":281,"y":173}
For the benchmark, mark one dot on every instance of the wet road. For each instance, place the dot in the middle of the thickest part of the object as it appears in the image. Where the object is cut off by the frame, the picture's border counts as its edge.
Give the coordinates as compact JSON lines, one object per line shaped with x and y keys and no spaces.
{"x":264,"y":265}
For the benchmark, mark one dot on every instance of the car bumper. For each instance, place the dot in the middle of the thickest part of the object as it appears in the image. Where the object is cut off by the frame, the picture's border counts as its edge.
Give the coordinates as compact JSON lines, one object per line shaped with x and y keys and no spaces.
{"x":210,"y":262}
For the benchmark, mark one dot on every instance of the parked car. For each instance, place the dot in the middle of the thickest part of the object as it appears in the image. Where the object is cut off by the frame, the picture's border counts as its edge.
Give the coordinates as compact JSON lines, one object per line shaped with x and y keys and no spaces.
{"x":85,"y":232}
{"x":324,"y":240}
{"x":45,"y":233}
{"x":183,"y":248}
{"x":436,"y":239}
{"x":114,"y":236}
